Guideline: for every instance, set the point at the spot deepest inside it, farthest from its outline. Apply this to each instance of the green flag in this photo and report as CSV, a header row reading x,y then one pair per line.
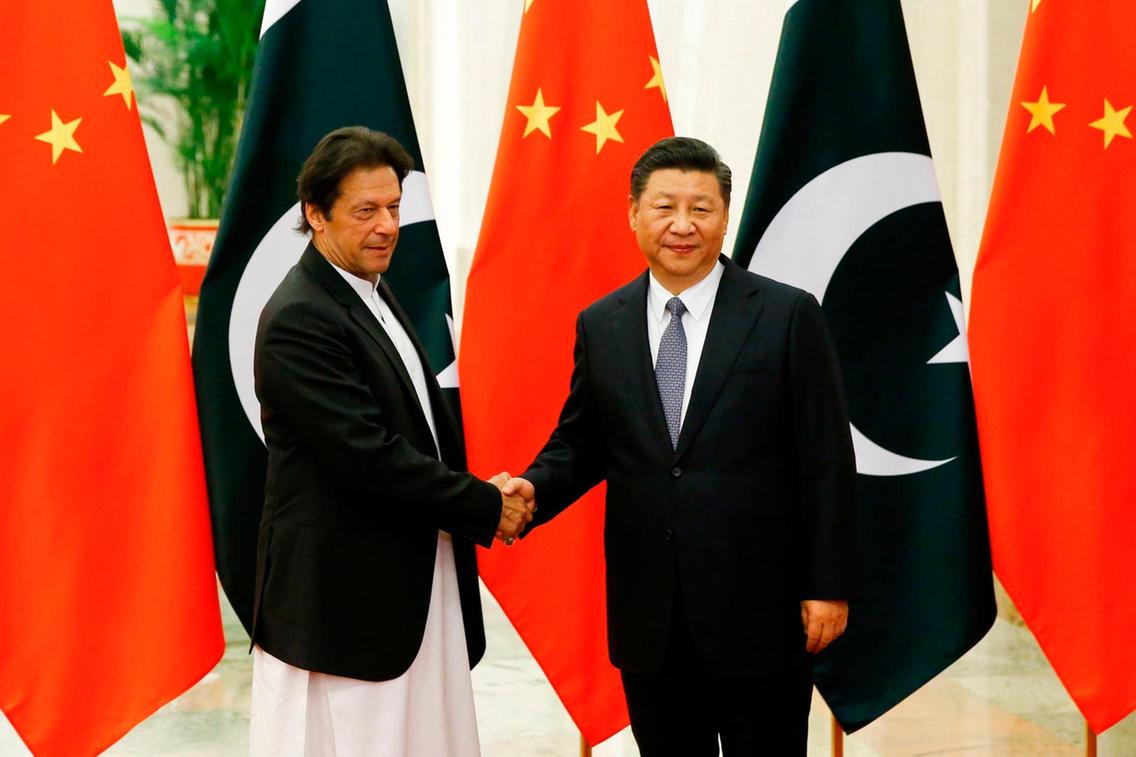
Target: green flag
x,y
844,203
320,65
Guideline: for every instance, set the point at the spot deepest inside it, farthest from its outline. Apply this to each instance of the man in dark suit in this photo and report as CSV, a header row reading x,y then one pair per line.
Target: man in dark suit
x,y
366,615
710,401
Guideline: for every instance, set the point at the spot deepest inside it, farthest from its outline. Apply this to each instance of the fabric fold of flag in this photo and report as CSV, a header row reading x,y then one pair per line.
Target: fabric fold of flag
x,y
1051,334
844,202
586,98
108,603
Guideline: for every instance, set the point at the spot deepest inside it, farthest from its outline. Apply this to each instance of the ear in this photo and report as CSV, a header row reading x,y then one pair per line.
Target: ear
x,y
632,213
315,216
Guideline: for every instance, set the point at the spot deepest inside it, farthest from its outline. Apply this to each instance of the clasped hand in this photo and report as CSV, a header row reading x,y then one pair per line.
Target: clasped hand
x,y
824,621
517,505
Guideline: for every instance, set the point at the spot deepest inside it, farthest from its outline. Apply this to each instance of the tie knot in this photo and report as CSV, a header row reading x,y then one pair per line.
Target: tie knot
x,y
674,304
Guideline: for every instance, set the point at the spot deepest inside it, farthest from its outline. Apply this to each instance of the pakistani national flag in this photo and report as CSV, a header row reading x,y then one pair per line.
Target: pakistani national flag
x,y
322,64
844,203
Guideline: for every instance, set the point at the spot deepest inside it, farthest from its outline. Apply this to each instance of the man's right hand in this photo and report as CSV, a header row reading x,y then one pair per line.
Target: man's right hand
x,y
516,510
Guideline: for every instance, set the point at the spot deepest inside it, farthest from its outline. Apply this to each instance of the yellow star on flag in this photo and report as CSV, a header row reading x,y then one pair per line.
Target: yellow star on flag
x,y
528,4
3,118
1034,4
1042,112
61,136
538,115
121,85
657,79
1112,123
604,127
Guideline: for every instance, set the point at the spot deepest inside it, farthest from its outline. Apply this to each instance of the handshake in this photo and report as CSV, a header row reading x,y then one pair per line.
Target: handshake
x,y
518,501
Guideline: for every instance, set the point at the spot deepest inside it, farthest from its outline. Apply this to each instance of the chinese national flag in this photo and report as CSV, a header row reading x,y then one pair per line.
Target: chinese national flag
x,y
586,100
1053,349
108,603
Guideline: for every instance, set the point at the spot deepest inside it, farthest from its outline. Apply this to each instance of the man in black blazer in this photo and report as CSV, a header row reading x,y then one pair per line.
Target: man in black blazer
x,y
366,544
710,401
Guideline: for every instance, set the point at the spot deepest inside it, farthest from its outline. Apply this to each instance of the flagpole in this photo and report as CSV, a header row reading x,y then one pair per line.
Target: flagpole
x,y
837,739
1090,741
586,751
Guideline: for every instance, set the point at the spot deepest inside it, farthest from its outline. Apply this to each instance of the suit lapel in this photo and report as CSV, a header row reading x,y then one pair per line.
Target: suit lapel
x,y
314,263
736,308
629,334
444,421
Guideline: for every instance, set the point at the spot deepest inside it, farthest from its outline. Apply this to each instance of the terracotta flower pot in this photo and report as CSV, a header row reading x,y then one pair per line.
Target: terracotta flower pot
x,y
192,242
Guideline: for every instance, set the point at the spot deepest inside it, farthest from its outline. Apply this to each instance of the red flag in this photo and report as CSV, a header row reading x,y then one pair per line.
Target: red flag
x,y
1052,332
586,100
108,603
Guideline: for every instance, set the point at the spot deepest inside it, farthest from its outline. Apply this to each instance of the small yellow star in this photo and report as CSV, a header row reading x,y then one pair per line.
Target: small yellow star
x,y
3,118
61,136
1112,123
604,127
1042,112
1034,5
538,115
121,85
528,4
657,79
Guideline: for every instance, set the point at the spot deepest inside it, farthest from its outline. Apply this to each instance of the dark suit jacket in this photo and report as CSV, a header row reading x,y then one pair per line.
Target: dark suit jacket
x,y
751,514
356,492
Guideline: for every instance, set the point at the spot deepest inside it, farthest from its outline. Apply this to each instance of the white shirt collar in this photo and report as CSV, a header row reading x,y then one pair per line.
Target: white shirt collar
x,y
696,298
362,287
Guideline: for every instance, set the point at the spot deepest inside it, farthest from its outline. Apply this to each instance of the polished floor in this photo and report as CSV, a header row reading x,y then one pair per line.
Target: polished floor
x,y
1000,699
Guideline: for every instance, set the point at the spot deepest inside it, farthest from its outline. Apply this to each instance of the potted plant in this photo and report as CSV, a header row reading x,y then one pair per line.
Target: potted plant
x,y
192,64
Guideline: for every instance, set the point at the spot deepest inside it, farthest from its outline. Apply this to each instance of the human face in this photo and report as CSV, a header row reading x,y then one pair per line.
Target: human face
x,y
679,222
360,232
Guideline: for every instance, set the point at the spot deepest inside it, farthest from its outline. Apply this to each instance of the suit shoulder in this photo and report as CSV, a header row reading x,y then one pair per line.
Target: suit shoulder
x,y
298,296
777,290
781,300
615,299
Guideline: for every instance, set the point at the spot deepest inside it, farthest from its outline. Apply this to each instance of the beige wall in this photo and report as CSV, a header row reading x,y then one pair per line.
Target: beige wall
x,y
965,54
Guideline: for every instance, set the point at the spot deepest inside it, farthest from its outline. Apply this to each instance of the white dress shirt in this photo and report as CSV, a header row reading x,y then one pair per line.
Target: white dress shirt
x,y
699,302
379,308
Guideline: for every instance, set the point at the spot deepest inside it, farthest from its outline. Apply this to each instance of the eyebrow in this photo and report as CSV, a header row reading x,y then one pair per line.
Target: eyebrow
x,y
668,196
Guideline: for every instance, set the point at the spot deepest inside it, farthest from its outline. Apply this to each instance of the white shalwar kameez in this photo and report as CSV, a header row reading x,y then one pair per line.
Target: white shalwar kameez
x,y
426,712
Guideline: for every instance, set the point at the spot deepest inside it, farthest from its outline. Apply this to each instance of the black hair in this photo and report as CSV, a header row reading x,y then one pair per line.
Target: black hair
x,y
337,155
685,154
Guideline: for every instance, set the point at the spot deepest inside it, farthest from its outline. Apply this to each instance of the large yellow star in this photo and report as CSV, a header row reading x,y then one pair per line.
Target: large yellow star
x,y
604,127
1042,112
1112,123
121,85
657,79
3,118
61,136
538,115
528,4
1034,5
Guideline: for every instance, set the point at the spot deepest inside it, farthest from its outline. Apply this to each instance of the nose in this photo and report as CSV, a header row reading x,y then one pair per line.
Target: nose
x,y
385,222
681,223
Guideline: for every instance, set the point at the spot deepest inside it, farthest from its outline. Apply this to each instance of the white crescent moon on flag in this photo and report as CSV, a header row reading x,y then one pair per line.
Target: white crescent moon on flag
x,y
278,251
811,233
274,10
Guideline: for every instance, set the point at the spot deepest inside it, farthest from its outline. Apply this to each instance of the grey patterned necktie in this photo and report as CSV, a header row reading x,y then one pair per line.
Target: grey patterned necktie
x,y
670,368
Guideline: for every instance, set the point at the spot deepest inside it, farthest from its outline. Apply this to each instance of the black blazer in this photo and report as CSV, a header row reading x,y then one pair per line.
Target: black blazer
x,y
356,490
751,514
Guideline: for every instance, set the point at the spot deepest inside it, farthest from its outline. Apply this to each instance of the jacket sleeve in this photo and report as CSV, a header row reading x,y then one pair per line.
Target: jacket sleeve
x,y
571,462
306,373
826,464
